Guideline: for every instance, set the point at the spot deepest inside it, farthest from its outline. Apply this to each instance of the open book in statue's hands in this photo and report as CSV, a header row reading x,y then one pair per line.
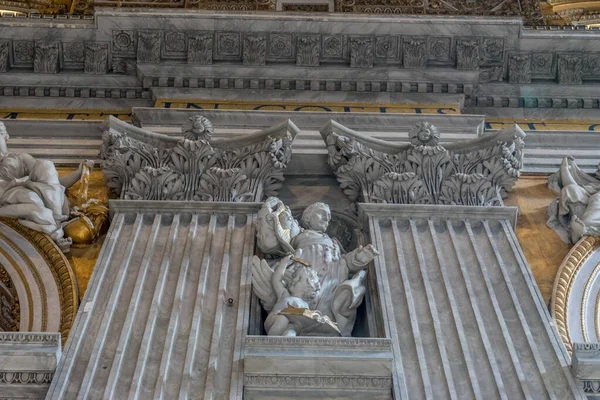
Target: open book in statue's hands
x,y
307,322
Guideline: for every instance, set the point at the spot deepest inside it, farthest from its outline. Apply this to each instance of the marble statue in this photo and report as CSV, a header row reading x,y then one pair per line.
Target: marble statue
x,y
341,276
32,192
576,212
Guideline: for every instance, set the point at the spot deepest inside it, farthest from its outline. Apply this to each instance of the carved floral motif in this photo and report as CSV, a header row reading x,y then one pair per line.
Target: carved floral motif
x,y
280,46
424,172
95,58
519,68
137,165
255,50
361,52
200,48
570,69
467,54
415,53
308,51
46,58
4,59
148,47
332,46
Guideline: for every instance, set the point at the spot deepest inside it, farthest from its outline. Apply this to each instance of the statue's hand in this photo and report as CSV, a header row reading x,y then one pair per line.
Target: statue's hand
x,y
365,255
87,163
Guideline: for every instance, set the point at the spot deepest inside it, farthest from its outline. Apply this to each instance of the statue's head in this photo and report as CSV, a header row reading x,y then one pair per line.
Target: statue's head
x,y
275,228
11,167
316,217
198,128
302,281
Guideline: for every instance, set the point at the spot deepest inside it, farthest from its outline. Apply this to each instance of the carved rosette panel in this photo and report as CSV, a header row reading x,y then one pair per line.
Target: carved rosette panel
x,y
467,54
480,172
148,47
45,60
414,52
519,68
200,48
361,52
255,50
308,51
140,165
570,69
4,59
95,58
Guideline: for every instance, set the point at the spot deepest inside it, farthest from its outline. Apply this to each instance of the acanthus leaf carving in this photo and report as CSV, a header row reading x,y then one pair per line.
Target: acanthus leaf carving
x,y
139,164
308,51
467,54
414,52
255,50
4,59
570,69
200,48
95,58
519,68
148,47
45,60
361,52
480,172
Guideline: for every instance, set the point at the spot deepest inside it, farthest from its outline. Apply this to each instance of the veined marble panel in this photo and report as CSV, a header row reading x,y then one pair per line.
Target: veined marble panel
x,y
163,315
463,312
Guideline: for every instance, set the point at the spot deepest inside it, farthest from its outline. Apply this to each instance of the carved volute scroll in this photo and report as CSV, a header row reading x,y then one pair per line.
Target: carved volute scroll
x,y
478,172
142,165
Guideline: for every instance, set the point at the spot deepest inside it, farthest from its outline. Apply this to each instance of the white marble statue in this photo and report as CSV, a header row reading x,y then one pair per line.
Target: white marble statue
x,y
32,192
576,213
341,275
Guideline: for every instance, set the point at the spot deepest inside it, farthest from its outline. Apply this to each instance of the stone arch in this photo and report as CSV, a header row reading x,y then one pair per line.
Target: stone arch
x,y
43,280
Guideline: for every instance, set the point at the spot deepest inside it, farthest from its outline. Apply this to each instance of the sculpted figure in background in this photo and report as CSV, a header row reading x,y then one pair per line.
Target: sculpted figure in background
x,y
576,213
32,192
341,276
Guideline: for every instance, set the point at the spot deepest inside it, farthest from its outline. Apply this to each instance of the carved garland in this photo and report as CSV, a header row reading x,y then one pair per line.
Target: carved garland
x,y
61,270
564,282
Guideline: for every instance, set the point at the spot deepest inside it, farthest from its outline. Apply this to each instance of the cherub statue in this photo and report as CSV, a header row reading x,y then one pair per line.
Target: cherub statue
x,y
293,284
341,275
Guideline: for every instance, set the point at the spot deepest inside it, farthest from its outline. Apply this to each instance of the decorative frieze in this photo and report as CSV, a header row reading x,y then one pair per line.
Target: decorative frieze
x,y
255,50
519,68
73,53
4,55
333,46
228,46
200,48
95,58
467,54
280,47
148,47
46,58
591,66
543,65
439,48
570,69
492,51
23,52
386,47
414,52
124,41
361,52
308,50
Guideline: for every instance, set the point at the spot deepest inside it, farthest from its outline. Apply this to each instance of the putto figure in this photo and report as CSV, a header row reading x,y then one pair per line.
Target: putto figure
x,y
340,275
576,213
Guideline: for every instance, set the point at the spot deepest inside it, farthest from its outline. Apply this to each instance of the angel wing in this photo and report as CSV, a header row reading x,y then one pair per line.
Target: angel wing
x,y
261,283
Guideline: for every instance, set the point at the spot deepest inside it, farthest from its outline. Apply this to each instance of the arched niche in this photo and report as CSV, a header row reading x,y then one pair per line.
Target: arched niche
x,y
575,302
42,278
